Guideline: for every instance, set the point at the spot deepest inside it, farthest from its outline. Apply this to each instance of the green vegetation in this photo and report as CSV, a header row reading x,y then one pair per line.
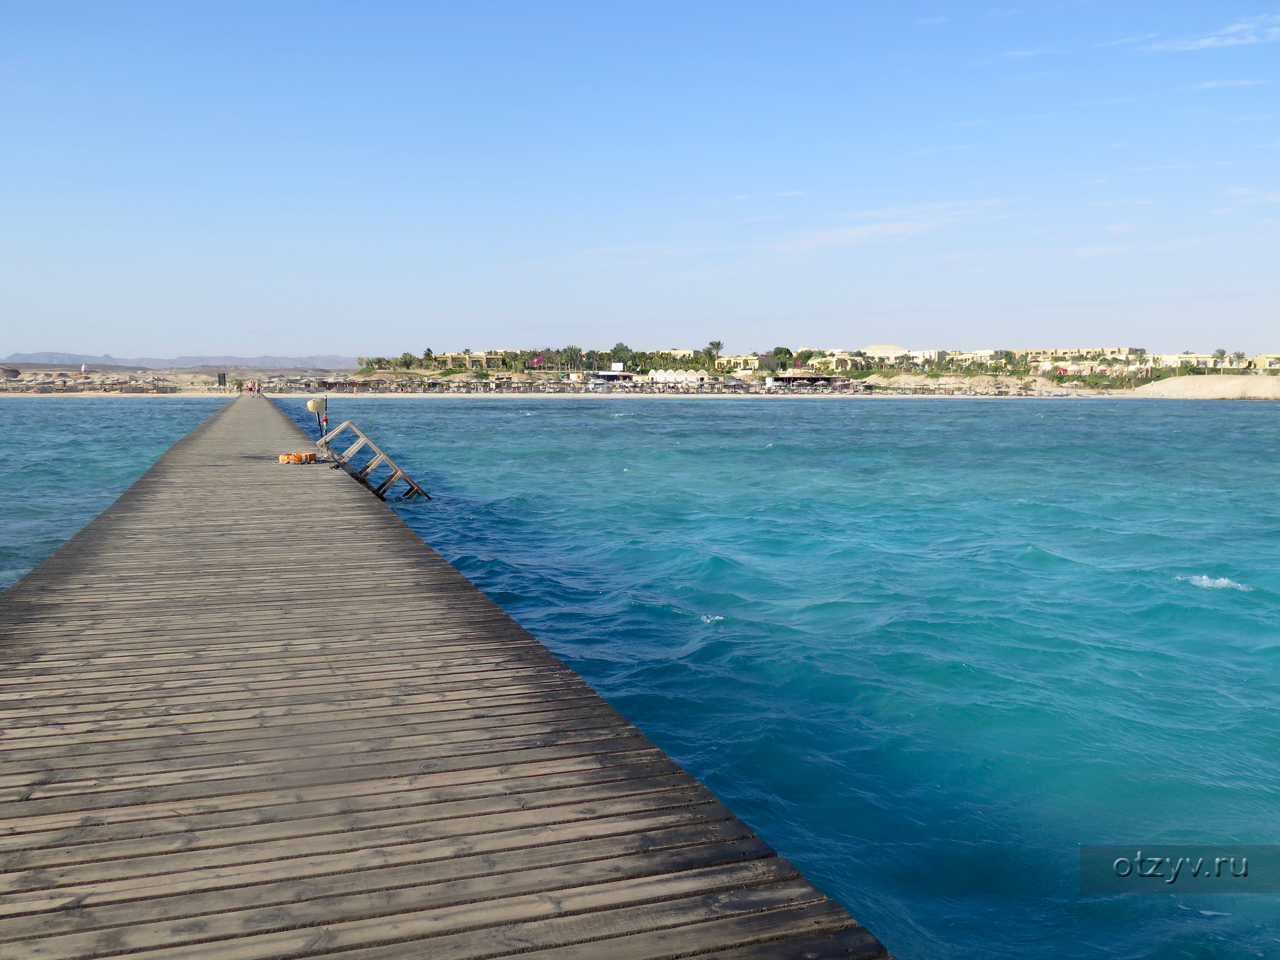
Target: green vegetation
x,y
548,359
856,365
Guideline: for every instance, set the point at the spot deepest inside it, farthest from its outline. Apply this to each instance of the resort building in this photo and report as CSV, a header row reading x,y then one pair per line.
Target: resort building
x,y
885,351
1266,361
1209,361
1084,367
748,361
964,357
837,361
680,353
485,360
1066,353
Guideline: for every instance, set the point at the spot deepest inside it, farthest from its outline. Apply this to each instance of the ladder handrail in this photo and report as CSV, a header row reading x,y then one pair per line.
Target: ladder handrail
x,y
362,474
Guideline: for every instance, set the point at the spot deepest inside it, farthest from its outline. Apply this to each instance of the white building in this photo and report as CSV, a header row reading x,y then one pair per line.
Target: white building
x,y
973,356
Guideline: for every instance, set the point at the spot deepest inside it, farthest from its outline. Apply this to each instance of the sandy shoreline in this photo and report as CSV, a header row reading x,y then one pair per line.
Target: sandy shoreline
x,y
1212,388
1176,388
554,396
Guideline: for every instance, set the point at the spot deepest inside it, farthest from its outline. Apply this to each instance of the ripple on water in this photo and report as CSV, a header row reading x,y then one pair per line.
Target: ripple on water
x,y
925,649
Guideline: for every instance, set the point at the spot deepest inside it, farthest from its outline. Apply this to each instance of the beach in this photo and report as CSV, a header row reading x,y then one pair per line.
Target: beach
x,y
876,386
1212,388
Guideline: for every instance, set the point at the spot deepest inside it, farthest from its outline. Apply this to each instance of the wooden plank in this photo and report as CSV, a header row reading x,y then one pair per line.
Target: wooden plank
x,y
356,734
722,841
73,736
441,905
480,782
235,730
26,871
177,834
304,755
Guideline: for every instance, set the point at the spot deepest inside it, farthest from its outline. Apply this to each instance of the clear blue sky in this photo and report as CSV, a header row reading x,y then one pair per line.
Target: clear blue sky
x,y
369,177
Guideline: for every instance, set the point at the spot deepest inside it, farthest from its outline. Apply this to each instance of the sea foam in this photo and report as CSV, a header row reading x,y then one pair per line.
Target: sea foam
x,y
1219,583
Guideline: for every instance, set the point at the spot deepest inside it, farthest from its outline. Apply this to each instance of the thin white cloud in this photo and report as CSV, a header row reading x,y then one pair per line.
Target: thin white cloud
x,y
1214,84
1105,103
1104,250
720,221
1019,54
1187,166
1264,29
1254,196
1116,43
893,223
850,236
1122,203
948,207
1119,249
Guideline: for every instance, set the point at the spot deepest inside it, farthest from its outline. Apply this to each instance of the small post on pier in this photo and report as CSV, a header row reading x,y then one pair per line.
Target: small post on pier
x,y
318,406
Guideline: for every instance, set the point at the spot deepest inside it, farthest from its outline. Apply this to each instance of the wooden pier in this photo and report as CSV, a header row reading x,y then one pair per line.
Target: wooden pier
x,y
248,714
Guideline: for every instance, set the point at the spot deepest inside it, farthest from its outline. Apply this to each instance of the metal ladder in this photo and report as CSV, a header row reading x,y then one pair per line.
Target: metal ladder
x,y
365,474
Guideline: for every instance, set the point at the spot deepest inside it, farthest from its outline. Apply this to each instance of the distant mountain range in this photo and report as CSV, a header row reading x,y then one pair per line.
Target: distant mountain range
x,y
327,362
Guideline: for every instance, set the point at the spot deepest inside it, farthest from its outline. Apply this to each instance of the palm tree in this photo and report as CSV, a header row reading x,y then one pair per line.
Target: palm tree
x,y
1238,357
715,346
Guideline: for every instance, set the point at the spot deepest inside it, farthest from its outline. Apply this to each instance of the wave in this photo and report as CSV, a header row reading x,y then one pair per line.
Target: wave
x,y
1220,583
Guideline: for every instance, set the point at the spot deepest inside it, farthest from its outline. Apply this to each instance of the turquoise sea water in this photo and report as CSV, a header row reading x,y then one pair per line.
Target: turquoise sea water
x,y
924,647
67,458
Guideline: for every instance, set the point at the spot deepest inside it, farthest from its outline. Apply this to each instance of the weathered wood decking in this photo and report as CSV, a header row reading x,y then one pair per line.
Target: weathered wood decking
x,y
248,713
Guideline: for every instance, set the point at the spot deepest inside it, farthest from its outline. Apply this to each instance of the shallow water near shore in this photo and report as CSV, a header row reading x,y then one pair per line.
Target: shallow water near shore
x,y
924,649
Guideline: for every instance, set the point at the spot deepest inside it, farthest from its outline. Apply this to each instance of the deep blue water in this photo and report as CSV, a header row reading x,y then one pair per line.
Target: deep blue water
x,y
924,647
